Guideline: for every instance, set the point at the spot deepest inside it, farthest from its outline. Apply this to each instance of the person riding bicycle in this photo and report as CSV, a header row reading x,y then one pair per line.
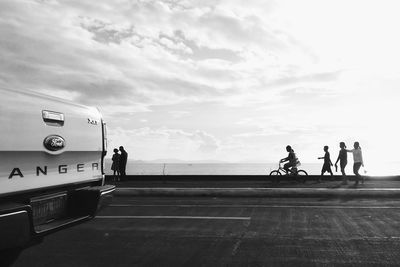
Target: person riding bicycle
x,y
291,159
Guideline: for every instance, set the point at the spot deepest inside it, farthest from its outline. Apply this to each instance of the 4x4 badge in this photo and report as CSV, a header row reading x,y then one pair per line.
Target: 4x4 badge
x,y
54,142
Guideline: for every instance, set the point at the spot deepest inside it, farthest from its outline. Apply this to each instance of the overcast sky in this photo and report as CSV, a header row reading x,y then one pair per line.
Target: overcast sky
x,y
223,80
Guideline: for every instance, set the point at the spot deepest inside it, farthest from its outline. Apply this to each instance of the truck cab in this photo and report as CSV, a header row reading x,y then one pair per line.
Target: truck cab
x,y
51,166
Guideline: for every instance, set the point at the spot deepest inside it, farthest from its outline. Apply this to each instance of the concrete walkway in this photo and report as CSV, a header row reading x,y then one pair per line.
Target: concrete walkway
x,y
262,192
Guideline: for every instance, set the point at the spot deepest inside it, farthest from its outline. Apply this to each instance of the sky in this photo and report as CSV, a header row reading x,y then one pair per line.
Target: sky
x,y
216,80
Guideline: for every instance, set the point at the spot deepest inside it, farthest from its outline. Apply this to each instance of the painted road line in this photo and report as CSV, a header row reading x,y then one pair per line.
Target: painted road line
x,y
259,188
254,206
174,217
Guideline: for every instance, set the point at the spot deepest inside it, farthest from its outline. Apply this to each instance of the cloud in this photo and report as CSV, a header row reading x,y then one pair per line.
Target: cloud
x,y
313,78
109,56
107,32
148,143
212,78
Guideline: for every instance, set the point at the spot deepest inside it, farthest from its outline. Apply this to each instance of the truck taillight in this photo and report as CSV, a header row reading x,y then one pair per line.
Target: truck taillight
x,y
104,133
104,127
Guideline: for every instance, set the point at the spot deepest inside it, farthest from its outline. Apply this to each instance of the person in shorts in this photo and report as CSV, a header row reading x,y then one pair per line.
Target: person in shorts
x,y
327,163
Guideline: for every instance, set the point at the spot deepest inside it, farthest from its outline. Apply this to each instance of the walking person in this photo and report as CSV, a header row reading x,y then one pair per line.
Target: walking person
x,y
327,163
358,162
342,157
115,165
122,162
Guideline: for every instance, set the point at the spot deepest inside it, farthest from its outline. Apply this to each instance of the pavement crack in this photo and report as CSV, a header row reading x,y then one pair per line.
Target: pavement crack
x,y
243,235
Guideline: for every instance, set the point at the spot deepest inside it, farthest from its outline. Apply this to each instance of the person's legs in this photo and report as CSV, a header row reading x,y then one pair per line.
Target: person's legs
x,y
322,173
356,168
123,172
324,169
286,167
329,170
342,170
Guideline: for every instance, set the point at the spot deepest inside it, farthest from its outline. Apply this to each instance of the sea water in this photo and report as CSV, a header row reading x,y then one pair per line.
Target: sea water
x,y
143,168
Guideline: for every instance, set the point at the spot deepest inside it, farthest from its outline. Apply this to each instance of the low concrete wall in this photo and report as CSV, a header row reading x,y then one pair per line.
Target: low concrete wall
x,y
250,186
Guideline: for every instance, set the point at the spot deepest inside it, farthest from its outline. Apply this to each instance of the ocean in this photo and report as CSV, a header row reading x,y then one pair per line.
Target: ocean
x,y
141,168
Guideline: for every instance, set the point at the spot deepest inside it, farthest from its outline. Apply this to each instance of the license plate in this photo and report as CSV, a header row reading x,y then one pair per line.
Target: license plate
x,y
49,208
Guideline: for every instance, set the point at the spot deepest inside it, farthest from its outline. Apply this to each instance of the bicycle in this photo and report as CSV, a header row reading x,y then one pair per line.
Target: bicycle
x,y
294,171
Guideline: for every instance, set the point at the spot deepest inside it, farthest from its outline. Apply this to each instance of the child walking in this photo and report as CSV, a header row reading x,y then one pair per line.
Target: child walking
x,y
327,163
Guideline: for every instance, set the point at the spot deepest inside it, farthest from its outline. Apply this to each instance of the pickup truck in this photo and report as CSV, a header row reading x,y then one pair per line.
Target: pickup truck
x,y
51,166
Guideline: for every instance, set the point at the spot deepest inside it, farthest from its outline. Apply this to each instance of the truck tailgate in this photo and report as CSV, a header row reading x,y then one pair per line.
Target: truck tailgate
x,y
47,142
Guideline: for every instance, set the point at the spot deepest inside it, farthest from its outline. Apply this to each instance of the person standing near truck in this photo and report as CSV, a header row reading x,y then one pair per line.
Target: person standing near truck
x,y
115,165
123,159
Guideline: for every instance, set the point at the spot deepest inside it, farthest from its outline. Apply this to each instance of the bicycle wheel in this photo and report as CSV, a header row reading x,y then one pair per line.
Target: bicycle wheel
x,y
301,175
275,175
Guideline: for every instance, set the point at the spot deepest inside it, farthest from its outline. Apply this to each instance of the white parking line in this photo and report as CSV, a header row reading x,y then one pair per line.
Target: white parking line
x,y
346,189
256,206
174,217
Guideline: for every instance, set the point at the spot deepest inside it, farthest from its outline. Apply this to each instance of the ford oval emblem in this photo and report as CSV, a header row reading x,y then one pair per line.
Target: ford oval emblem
x,y
54,142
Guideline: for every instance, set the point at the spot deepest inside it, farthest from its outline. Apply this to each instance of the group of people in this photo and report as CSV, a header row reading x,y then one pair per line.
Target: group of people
x,y
119,163
292,161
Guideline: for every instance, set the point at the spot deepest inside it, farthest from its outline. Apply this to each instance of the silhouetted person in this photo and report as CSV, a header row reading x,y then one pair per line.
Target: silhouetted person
x,y
342,157
358,161
116,165
327,162
122,162
291,159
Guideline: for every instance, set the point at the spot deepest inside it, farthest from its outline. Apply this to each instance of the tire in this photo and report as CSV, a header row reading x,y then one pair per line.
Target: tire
x,y
302,172
275,175
301,175
276,172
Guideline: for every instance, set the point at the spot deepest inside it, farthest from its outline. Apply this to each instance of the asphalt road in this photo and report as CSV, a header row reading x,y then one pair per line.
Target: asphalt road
x,y
169,231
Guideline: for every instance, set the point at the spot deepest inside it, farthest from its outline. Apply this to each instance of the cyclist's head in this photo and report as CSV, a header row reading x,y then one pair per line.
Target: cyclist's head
x,y
342,145
326,148
356,145
289,149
